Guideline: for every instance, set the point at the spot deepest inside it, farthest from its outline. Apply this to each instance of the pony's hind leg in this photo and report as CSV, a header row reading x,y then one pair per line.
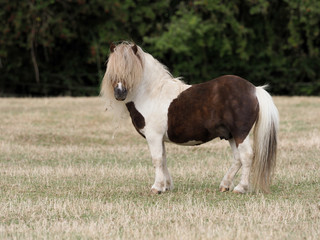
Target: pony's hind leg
x,y
163,181
236,165
246,155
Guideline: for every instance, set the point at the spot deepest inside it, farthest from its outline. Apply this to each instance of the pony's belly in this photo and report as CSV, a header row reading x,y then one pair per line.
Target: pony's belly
x,y
191,143
187,143
187,139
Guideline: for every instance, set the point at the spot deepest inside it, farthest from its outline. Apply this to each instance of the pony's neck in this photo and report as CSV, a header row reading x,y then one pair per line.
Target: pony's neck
x,y
153,69
157,80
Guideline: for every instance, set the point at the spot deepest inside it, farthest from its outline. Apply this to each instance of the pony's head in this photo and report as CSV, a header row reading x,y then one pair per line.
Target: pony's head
x,y
124,70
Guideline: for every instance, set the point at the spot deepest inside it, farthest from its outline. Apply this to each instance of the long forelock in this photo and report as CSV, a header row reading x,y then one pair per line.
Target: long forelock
x,y
125,66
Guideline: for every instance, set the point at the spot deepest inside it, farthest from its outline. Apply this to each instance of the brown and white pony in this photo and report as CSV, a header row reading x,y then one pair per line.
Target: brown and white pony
x,y
164,109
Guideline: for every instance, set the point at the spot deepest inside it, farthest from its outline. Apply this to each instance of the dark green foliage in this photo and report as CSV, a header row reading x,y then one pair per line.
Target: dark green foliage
x,y
59,47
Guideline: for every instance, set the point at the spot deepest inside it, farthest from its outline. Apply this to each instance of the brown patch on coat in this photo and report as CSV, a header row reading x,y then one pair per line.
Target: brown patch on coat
x,y
136,117
225,107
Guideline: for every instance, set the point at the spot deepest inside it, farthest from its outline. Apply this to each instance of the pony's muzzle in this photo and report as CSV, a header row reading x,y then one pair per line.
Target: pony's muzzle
x,y
120,92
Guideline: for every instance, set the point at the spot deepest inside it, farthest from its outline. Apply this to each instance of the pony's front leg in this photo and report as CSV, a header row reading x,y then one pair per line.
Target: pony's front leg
x,y
163,181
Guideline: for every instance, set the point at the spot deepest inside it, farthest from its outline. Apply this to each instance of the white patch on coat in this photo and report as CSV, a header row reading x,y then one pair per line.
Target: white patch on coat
x,y
119,85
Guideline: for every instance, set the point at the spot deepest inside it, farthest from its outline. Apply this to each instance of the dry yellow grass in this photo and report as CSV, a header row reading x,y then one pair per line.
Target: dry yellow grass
x,y
62,176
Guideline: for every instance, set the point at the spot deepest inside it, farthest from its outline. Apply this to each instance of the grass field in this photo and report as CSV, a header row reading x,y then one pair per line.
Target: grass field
x,y
63,176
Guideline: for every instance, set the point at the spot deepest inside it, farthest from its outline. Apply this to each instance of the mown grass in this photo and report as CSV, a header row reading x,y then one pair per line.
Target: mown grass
x,y
63,176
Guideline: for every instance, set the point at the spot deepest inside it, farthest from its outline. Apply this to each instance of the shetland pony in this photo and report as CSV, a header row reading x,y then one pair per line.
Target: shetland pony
x,y
164,109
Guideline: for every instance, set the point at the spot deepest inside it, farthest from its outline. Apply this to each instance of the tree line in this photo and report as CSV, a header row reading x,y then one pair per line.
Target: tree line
x,y
60,47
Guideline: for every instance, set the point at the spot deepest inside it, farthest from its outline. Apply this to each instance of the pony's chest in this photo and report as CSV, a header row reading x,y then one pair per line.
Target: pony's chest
x,y
137,118
149,116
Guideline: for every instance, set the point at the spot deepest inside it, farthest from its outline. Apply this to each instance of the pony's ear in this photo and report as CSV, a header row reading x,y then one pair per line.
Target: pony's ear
x,y
134,48
112,47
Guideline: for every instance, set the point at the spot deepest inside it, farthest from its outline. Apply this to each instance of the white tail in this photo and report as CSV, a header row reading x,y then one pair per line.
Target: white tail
x,y
265,141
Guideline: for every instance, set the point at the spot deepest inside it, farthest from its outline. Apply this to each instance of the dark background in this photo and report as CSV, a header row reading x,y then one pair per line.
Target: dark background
x,y
59,47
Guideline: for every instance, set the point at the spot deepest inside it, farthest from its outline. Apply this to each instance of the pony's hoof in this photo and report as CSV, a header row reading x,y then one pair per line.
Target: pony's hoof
x,y
237,192
240,189
223,189
155,191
